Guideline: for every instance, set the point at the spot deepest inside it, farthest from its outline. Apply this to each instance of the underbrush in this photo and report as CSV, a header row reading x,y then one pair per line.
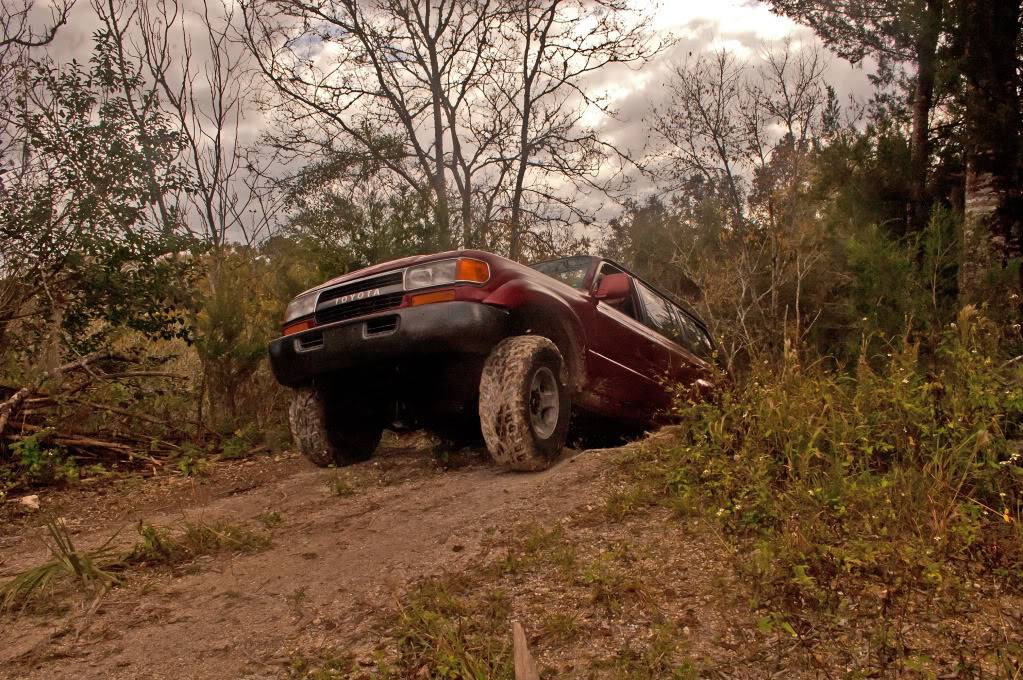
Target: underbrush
x,y
145,409
849,490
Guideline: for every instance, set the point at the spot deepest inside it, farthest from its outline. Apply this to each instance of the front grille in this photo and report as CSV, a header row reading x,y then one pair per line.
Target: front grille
x,y
350,310
366,284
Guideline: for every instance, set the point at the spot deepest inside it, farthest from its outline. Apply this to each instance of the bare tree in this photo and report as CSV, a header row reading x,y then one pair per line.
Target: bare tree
x,y
700,126
19,37
17,30
204,81
472,100
552,60
374,72
743,136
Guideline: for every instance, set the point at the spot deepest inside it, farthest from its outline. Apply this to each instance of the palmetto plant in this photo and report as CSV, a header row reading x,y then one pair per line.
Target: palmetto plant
x,y
91,571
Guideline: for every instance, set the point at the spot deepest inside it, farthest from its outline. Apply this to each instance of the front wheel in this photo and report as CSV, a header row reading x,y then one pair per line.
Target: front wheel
x,y
328,434
524,404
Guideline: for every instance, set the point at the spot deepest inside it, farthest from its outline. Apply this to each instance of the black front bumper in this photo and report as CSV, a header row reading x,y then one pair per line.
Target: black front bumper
x,y
442,328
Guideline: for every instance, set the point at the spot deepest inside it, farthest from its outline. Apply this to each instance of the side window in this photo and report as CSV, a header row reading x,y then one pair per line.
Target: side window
x,y
658,313
692,336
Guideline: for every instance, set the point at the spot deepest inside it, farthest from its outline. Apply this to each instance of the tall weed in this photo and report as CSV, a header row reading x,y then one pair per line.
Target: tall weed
x,y
906,468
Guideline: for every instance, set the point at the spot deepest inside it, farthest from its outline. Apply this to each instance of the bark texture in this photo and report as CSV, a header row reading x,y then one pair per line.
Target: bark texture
x,y
989,269
923,100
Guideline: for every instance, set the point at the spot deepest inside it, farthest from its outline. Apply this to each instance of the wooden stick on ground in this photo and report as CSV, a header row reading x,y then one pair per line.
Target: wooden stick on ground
x,y
8,407
525,667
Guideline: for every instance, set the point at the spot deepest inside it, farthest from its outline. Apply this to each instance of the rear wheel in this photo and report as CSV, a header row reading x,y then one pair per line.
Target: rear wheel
x,y
327,433
524,404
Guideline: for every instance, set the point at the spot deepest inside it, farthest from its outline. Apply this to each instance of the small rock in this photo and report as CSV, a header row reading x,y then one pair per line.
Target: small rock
x,y
30,502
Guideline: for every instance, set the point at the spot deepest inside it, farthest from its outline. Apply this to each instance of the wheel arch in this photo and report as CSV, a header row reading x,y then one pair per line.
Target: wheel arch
x,y
534,311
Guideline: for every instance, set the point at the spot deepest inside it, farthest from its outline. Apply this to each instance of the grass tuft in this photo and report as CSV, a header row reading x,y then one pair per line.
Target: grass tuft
x,y
271,519
91,571
439,633
162,546
340,485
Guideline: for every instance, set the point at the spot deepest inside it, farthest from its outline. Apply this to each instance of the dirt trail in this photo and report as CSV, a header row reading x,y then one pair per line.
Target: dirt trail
x,y
335,567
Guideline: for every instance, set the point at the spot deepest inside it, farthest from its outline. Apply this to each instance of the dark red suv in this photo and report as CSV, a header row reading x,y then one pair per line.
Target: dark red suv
x,y
466,340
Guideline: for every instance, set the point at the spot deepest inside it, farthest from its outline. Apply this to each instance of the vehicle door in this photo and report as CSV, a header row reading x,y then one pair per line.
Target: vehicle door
x,y
624,356
669,361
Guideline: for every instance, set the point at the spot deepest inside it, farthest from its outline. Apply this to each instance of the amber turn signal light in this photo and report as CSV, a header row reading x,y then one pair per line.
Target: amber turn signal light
x,y
298,327
469,269
430,298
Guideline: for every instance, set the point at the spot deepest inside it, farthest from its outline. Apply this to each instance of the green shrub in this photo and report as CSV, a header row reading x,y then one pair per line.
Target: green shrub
x,y
38,463
907,467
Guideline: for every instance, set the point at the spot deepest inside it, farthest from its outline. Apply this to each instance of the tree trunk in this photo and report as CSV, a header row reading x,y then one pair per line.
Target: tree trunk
x,y
991,229
440,189
515,238
923,98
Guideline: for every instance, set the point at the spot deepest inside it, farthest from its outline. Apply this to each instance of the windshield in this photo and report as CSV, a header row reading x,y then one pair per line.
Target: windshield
x,y
569,270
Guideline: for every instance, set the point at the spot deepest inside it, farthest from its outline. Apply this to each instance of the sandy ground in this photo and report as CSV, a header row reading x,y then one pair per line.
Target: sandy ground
x,y
338,567
335,567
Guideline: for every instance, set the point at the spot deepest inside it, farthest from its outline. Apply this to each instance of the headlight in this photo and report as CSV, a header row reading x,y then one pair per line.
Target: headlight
x,y
443,272
303,305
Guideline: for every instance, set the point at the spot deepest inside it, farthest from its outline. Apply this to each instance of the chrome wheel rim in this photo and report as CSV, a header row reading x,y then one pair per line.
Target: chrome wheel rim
x,y
544,405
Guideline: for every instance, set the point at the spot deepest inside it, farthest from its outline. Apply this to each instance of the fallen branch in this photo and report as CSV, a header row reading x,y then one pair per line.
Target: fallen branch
x,y
81,441
129,414
7,407
146,374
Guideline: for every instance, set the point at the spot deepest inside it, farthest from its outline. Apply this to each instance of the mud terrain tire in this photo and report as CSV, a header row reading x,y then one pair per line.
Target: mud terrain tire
x,y
324,436
517,436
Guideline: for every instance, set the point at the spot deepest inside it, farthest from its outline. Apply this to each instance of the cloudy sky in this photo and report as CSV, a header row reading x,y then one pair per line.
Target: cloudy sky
x,y
744,27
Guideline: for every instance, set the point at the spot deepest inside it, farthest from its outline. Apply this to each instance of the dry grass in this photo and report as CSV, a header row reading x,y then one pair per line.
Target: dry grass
x,y
92,572
89,571
172,546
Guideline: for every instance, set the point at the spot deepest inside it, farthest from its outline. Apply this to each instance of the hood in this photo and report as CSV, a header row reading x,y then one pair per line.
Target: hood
x,y
397,264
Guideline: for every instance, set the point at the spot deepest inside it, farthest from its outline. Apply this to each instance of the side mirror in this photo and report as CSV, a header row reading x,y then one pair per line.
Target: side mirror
x,y
613,288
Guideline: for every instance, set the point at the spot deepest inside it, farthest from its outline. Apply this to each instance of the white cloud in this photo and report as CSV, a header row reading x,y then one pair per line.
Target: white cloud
x,y
736,47
730,16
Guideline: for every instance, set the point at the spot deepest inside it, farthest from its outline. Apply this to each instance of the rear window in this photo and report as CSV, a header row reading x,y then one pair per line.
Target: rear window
x,y
671,321
658,314
692,337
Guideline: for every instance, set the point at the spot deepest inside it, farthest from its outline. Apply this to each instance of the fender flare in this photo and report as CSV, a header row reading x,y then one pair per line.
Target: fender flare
x,y
534,309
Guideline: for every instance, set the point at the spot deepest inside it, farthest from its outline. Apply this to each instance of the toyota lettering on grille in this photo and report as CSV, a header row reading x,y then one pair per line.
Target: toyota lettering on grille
x,y
361,295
